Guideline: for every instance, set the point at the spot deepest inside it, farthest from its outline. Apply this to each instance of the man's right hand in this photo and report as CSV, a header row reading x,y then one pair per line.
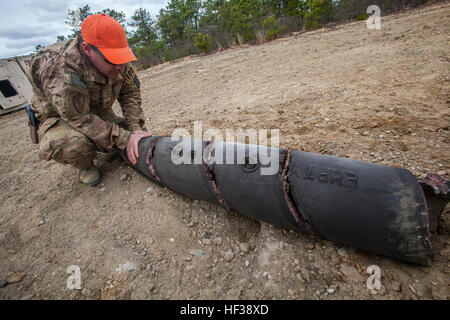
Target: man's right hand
x,y
133,143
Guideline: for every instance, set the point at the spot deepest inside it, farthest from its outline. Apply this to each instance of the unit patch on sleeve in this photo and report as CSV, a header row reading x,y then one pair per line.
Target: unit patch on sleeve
x,y
78,103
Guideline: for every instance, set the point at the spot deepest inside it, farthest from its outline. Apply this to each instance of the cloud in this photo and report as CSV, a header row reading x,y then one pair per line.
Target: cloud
x,y
9,51
28,32
50,5
43,40
50,9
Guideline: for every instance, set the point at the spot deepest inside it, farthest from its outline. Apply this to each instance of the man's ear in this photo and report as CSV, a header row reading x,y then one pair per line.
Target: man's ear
x,y
86,48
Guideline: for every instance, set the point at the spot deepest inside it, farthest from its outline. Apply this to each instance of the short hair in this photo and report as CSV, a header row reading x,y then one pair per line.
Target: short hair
x,y
80,39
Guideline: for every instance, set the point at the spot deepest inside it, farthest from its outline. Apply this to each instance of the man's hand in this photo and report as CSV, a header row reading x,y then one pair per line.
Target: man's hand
x,y
132,144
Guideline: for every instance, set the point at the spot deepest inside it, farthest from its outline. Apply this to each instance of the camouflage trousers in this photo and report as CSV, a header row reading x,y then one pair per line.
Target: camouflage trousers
x,y
62,143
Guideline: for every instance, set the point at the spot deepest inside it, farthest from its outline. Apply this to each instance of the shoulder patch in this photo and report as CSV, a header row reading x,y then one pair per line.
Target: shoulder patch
x,y
78,102
129,75
76,81
136,80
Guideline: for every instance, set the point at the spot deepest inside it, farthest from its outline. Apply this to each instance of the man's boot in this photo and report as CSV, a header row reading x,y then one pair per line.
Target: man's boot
x,y
91,176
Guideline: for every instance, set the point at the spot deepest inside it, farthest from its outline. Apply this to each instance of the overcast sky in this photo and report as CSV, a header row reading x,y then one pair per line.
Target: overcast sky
x,y
27,23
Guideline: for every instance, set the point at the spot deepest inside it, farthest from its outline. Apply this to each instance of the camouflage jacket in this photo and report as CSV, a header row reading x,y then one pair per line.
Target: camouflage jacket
x,y
67,86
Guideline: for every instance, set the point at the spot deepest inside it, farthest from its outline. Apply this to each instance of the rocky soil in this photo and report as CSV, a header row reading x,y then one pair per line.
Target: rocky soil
x,y
380,96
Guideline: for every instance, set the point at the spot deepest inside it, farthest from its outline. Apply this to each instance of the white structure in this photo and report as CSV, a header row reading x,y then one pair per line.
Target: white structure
x,y
15,88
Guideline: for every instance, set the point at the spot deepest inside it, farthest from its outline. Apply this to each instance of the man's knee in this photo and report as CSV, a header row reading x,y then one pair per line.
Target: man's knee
x,y
67,146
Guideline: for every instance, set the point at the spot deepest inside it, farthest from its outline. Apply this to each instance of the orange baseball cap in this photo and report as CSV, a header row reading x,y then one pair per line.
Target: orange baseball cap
x,y
108,36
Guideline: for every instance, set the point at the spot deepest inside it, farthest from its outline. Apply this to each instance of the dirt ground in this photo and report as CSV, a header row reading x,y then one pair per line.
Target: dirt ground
x,y
380,96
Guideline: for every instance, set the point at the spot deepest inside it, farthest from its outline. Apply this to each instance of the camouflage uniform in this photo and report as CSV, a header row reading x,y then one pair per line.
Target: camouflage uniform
x,y
73,103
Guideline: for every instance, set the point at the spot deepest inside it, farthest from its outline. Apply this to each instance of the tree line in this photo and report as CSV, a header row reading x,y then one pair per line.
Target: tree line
x,y
187,27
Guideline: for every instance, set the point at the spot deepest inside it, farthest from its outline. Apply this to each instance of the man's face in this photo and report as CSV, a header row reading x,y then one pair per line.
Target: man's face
x,y
103,66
